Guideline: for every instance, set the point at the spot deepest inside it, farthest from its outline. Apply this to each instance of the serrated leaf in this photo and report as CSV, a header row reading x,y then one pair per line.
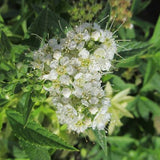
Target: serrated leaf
x,y
34,133
142,109
149,105
130,62
150,71
4,66
3,101
142,106
156,35
102,140
119,84
35,152
47,22
25,106
153,84
127,49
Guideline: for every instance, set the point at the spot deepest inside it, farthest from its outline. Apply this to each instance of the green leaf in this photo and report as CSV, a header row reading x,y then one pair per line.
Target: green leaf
x,y
106,77
126,33
5,44
156,35
144,25
153,84
25,106
3,101
34,133
156,58
150,105
122,142
47,22
130,62
132,106
35,152
142,106
101,139
127,49
17,51
119,84
139,5
150,71
2,117
4,27
4,66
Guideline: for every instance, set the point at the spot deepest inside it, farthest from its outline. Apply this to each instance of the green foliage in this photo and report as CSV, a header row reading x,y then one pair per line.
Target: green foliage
x,y
102,140
25,105
138,6
34,133
47,22
35,152
5,45
156,35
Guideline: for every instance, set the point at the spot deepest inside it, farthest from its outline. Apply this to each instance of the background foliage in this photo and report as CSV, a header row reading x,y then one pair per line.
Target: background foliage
x,y
28,124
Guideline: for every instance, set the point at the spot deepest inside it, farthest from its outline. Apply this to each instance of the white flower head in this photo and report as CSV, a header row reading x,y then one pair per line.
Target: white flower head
x,y
75,66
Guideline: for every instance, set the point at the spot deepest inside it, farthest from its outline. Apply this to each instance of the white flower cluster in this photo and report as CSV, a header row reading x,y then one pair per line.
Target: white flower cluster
x,y
75,66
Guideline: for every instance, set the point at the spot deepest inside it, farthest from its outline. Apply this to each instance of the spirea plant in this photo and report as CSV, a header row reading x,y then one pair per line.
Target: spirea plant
x,y
58,98
74,65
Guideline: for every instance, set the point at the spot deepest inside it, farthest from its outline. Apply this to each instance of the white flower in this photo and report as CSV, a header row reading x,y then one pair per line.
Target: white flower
x,y
72,45
94,100
75,62
77,76
78,92
51,76
84,53
95,35
100,53
94,67
53,43
54,64
86,35
82,27
57,55
93,110
84,102
66,92
64,61
70,70
100,120
80,45
65,79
